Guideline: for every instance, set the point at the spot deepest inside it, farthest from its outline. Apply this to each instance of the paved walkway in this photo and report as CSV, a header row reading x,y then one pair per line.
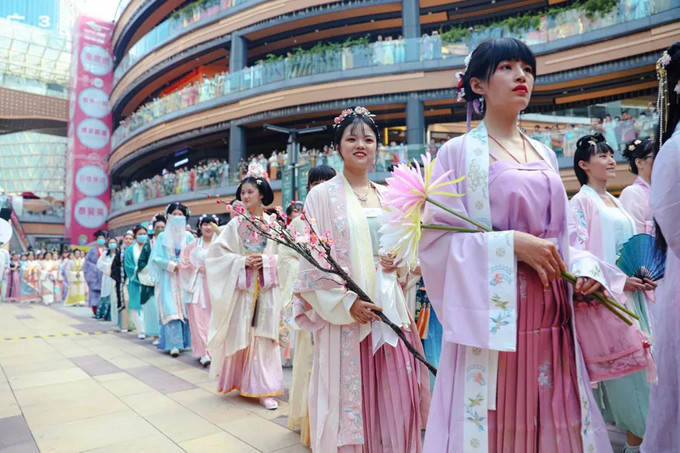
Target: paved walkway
x,y
70,384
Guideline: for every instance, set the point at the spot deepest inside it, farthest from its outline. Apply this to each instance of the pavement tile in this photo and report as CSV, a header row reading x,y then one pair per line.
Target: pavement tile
x,y
95,365
160,380
64,392
55,413
47,378
250,430
55,363
9,407
15,435
194,375
158,443
126,386
182,424
94,432
218,442
148,403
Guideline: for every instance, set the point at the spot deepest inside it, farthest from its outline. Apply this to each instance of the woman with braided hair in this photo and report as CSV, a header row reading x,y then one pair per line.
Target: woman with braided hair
x,y
194,282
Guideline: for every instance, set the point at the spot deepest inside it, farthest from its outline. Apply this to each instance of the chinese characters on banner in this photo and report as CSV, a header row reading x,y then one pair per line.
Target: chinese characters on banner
x,y
89,130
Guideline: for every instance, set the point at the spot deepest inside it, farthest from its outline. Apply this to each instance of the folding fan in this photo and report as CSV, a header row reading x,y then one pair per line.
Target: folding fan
x,y
641,257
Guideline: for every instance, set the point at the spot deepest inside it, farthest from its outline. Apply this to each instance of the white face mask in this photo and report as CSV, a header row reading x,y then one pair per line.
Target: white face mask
x,y
178,221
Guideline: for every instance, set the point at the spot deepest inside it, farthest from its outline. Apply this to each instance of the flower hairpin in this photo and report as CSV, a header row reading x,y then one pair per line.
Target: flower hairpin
x,y
633,145
665,59
358,111
461,90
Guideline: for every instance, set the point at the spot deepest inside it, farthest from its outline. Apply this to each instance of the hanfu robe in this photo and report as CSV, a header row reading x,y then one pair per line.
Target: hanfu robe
x,y
288,267
194,282
120,307
359,400
603,230
134,287
170,297
246,309
76,282
13,291
635,200
64,279
93,276
511,375
147,294
31,285
47,275
106,309
663,435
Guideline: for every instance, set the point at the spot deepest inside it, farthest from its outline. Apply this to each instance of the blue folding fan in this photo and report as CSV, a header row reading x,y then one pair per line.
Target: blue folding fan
x,y
640,257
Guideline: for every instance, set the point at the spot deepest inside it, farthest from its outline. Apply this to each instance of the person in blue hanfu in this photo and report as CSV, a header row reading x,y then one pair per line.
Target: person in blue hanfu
x,y
170,298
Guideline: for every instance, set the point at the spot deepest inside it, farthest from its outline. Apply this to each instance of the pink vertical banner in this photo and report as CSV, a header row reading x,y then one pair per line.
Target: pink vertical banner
x,y
89,131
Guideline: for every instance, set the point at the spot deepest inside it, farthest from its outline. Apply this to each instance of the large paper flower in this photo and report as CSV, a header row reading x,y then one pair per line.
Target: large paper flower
x,y
399,235
409,187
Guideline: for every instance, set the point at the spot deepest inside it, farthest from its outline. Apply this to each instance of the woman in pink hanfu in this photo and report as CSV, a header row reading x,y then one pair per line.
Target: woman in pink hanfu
x,y
635,198
603,228
511,375
193,281
246,303
359,400
663,435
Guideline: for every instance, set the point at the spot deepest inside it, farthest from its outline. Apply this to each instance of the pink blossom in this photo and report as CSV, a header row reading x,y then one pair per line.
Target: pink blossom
x,y
408,187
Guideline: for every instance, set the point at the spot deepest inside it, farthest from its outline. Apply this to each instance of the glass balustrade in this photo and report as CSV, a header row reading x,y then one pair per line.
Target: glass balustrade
x,y
191,16
388,52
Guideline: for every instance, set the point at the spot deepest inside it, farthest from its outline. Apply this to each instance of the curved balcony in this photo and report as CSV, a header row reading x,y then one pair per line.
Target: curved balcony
x,y
214,33
203,25
365,61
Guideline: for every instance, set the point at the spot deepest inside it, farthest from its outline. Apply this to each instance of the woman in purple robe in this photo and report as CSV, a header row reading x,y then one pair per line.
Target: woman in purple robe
x,y
511,375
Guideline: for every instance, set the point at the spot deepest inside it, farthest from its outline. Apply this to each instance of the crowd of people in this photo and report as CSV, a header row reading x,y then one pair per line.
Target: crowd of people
x,y
217,172
387,50
526,362
45,276
619,131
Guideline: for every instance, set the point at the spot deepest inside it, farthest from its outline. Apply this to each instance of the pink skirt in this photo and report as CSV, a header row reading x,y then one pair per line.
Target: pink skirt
x,y
199,323
395,397
538,400
255,371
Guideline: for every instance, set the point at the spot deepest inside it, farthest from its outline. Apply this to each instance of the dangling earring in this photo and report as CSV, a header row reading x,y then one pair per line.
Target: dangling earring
x,y
481,104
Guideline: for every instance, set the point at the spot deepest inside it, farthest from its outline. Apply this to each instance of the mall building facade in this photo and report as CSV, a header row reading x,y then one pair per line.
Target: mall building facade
x,y
196,81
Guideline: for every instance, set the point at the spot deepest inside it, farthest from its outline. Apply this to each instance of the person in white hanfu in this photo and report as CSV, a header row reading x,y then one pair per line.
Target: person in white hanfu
x,y
246,303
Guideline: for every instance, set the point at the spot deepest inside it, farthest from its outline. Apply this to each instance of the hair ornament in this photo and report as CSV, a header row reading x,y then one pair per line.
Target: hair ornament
x,y
634,145
662,99
255,170
356,111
